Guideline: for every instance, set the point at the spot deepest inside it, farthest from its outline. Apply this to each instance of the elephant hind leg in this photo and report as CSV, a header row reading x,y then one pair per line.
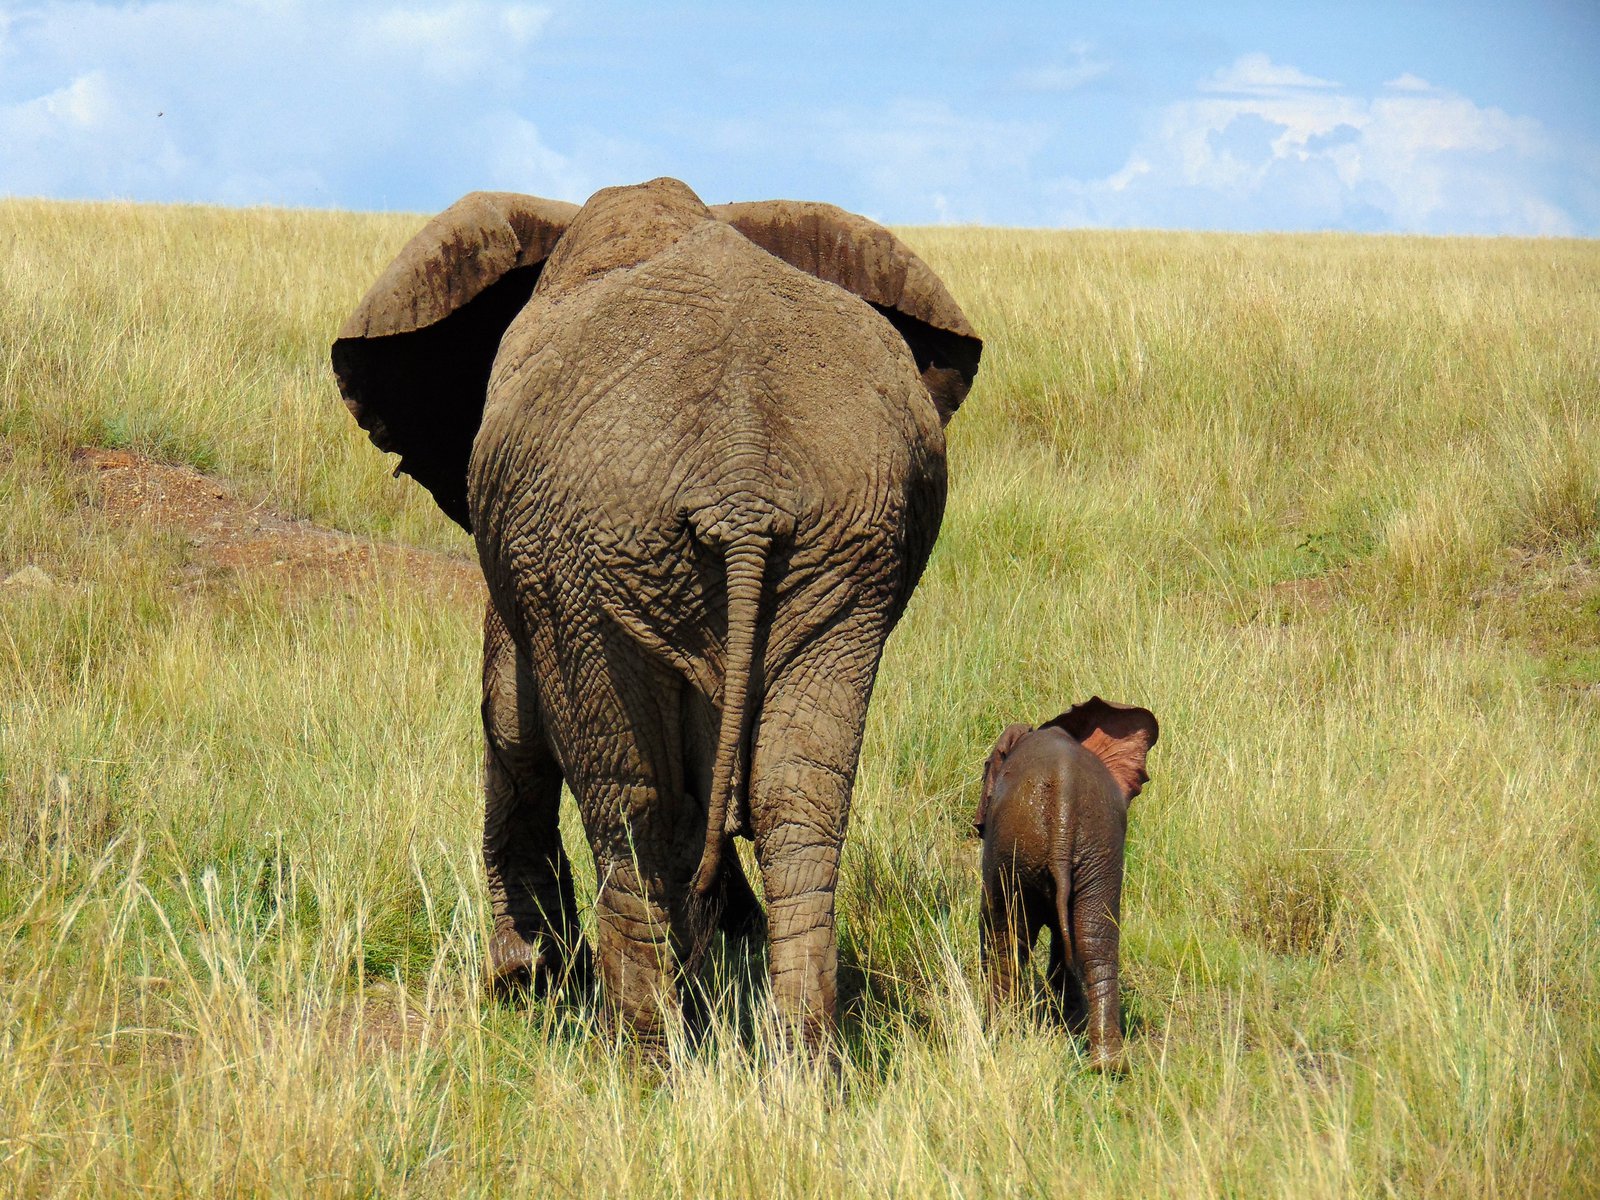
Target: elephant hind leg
x,y
1096,939
536,941
804,766
637,963
645,829
651,924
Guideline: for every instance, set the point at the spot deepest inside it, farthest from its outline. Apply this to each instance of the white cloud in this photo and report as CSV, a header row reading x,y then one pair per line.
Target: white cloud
x,y
63,132
408,103
1256,145
1265,145
1409,83
925,161
1082,68
1124,178
277,101
84,103
1258,74
455,42
516,153
912,162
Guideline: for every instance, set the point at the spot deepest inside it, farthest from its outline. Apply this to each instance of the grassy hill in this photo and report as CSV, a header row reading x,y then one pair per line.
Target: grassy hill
x,y
1330,506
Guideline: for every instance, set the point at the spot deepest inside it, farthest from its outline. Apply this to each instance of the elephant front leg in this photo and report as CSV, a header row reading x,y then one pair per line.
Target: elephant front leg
x,y
739,912
1005,938
1065,986
536,941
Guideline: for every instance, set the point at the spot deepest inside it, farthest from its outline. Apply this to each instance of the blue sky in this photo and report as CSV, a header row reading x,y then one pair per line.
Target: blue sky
x,y
1411,117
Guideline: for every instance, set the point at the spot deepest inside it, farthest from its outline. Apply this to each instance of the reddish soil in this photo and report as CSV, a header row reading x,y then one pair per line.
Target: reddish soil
x,y
1315,593
230,535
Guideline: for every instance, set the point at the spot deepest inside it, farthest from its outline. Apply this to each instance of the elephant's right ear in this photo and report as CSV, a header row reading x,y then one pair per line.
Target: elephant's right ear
x,y
413,360
1119,735
863,257
997,757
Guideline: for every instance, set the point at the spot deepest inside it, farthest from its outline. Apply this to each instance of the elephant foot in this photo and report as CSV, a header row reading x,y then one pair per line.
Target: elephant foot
x,y
518,968
1108,1058
645,1020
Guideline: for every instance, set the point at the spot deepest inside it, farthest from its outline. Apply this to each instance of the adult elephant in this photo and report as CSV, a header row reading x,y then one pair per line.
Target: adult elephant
x,y
701,452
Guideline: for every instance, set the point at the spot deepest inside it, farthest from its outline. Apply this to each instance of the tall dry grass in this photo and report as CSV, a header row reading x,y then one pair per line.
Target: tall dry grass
x,y
1329,505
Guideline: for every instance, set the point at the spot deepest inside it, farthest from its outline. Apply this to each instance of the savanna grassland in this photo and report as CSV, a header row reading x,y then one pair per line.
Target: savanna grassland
x,y
1329,505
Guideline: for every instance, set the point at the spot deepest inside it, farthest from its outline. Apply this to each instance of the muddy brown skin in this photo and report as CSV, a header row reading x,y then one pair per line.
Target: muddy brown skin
x,y
1054,817
701,452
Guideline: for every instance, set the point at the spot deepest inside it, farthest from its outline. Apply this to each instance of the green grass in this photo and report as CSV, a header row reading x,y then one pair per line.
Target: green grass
x,y
1330,506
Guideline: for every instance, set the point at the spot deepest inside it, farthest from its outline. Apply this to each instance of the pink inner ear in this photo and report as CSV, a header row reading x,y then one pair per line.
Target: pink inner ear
x,y
1123,756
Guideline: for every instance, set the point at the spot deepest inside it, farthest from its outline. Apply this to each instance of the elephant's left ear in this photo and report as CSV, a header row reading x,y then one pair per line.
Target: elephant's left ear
x,y
863,257
413,360
1119,735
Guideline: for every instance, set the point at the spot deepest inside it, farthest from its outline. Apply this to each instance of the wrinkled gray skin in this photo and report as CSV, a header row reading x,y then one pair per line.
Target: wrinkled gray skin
x,y
701,452
1054,818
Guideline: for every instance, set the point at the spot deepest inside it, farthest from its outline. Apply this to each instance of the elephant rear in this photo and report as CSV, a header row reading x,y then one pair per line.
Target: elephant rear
x,y
694,406
704,474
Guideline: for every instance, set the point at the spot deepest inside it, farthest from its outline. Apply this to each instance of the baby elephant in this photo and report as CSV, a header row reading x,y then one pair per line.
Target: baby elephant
x,y
1053,816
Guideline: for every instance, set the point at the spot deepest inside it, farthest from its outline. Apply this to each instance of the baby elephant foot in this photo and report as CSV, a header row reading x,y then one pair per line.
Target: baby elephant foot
x,y
1108,1057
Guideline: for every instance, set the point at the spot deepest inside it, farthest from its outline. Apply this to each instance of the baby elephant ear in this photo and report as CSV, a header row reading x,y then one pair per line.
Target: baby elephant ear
x,y
997,757
1119,735
863,257
413,360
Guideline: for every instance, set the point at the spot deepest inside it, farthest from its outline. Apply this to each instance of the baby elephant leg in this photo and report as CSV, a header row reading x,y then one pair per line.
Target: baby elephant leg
x,y
1095,946
1065,985
1007,929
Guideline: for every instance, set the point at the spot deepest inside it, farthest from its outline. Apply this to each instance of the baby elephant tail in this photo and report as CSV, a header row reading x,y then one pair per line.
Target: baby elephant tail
x,y
1061,869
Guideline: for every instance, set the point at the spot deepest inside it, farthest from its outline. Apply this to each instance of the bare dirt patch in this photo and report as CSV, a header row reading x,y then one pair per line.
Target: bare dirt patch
x,y
231,535
1550,603
1282,603
1315,594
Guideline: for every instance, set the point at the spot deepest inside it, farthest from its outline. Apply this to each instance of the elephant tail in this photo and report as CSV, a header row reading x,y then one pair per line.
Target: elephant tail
x,y
747,567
